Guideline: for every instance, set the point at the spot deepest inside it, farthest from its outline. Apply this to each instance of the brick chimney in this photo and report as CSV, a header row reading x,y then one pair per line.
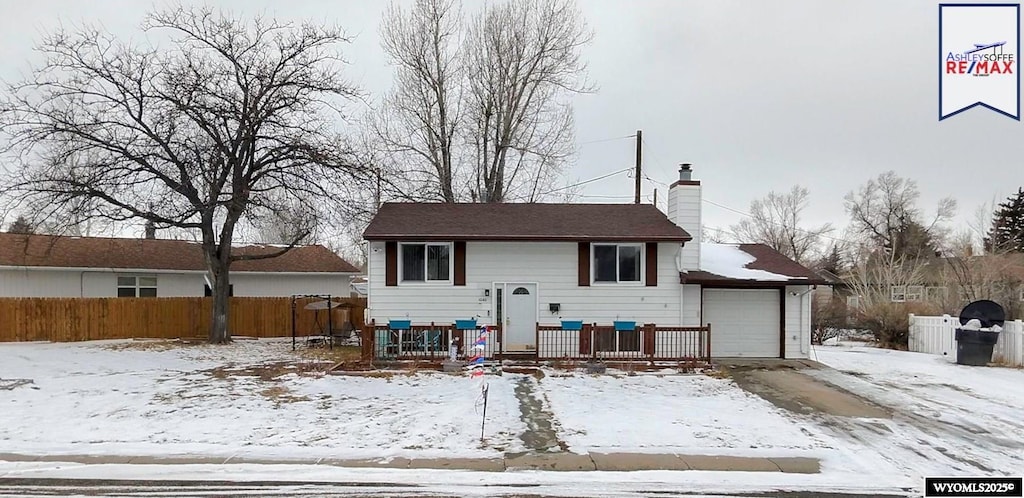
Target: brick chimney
x,y
684,209
150,230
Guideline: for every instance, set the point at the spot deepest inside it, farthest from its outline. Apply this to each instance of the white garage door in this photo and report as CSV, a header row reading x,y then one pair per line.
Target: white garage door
x,y
744,322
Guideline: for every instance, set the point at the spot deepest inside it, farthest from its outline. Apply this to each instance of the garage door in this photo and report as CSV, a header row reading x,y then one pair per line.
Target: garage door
x,y
744,322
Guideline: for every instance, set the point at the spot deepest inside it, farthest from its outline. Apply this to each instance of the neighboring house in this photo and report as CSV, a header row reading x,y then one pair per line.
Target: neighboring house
x,y
522,264
60,266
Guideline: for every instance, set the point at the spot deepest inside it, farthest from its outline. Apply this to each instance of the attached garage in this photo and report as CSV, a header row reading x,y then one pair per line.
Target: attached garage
x,y
744,322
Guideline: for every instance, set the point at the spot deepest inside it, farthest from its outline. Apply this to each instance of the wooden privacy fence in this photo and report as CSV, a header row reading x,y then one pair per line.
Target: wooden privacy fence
x,y
84,319
937,335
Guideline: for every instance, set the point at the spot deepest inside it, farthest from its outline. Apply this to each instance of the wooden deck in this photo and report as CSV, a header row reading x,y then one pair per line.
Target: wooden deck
x,y
591,342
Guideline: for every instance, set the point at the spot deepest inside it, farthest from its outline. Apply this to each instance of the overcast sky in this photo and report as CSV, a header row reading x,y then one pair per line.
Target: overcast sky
x,y
757,95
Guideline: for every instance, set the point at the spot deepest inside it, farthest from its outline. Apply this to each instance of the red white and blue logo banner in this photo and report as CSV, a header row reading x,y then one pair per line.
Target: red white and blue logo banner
x,y
979,50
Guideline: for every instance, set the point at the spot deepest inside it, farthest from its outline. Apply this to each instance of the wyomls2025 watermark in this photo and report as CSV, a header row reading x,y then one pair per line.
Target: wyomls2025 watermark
x,y
973,486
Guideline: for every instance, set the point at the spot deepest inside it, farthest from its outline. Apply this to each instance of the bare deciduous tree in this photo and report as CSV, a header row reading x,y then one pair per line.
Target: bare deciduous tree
x,y
884,211
419,120
775,222
872,281
522,59
226,120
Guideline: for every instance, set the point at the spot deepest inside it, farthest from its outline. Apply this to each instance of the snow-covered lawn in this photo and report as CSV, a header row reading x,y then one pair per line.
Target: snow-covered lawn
x,y
258,399
123,398
684,414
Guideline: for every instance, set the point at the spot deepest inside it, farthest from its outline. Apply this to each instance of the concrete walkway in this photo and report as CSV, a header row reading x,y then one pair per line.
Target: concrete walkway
x,y
530,461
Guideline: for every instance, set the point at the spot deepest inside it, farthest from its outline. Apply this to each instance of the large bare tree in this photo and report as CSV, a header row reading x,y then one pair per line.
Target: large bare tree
x,y
226,118
776,222
480,109
523,60
419,120
884,212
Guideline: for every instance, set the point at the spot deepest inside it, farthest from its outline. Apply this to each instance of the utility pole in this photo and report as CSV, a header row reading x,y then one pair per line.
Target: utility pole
x,y
639,141
376,197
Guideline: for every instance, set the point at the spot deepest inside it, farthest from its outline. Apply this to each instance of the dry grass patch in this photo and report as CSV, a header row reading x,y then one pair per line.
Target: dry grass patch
x,y
269,371
280,394
151,345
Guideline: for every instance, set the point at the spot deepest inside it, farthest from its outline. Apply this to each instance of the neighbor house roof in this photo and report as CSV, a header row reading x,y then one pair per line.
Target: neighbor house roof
x,y
501,221
155,254
748,265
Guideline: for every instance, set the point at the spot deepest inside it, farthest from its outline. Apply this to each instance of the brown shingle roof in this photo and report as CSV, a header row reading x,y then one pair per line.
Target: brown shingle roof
x,y
766,259
154,254
435,221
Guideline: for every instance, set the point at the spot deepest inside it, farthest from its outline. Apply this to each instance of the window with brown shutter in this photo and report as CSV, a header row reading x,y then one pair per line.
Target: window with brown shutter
x,y
460,263
391,264
652,264
583,263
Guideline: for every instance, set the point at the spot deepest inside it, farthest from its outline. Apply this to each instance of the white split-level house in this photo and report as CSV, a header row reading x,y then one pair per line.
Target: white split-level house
x,y
62,266
523,264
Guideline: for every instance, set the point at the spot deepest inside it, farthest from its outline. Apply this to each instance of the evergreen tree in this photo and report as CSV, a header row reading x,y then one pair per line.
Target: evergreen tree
x,y
1007,232
21,225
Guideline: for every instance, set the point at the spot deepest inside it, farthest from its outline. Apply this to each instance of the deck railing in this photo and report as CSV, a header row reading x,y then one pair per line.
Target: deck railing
x,y
648,342
422,341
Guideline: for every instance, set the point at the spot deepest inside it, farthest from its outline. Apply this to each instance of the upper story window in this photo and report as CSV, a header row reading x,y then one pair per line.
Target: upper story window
x,y
136,286
617,262
426,262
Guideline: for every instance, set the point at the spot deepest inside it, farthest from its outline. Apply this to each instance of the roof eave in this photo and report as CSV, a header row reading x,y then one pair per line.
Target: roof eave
x,y
527,238
741,282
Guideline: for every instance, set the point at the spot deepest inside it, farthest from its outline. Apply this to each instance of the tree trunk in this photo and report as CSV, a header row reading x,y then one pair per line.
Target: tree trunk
x,y
219,332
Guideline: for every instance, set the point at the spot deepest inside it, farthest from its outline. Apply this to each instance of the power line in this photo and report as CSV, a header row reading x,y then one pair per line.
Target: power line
x,y
748,215
602,177
606,140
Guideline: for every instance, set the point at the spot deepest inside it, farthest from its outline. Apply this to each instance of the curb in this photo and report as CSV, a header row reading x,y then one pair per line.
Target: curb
x,y
570,462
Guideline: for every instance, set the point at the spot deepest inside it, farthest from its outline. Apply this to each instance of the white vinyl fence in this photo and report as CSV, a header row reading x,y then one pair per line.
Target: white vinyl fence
x,y
937,335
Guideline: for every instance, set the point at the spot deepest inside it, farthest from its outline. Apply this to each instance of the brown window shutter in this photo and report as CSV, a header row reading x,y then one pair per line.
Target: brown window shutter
x,y
391,263
584,264
460,262
652,264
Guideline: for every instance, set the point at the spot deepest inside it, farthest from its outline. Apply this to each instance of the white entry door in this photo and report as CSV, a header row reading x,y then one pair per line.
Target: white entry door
x,y
520,316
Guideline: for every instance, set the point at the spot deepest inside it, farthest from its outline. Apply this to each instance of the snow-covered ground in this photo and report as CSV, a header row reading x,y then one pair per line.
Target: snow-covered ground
x,y
683,414
125,398
948,419
122,398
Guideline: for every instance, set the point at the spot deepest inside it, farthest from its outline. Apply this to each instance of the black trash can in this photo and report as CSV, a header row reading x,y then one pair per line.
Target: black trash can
x,y
974,347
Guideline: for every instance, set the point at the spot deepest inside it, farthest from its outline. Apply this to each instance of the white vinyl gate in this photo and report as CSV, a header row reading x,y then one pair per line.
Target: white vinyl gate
x,y
937,335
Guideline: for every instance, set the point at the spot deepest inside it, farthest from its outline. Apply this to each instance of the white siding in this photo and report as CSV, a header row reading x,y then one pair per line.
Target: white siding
x,y
91,283
552,265
33,283
690,306
269,285
684,209
798,321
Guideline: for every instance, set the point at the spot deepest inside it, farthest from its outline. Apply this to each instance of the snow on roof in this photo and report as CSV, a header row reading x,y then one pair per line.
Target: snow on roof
x,y
728,260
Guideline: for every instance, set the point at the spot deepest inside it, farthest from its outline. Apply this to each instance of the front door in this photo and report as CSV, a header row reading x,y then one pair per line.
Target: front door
x,y
520,324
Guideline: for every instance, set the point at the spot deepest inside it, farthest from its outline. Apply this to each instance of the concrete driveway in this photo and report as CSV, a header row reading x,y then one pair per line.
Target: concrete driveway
x,y
917,414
